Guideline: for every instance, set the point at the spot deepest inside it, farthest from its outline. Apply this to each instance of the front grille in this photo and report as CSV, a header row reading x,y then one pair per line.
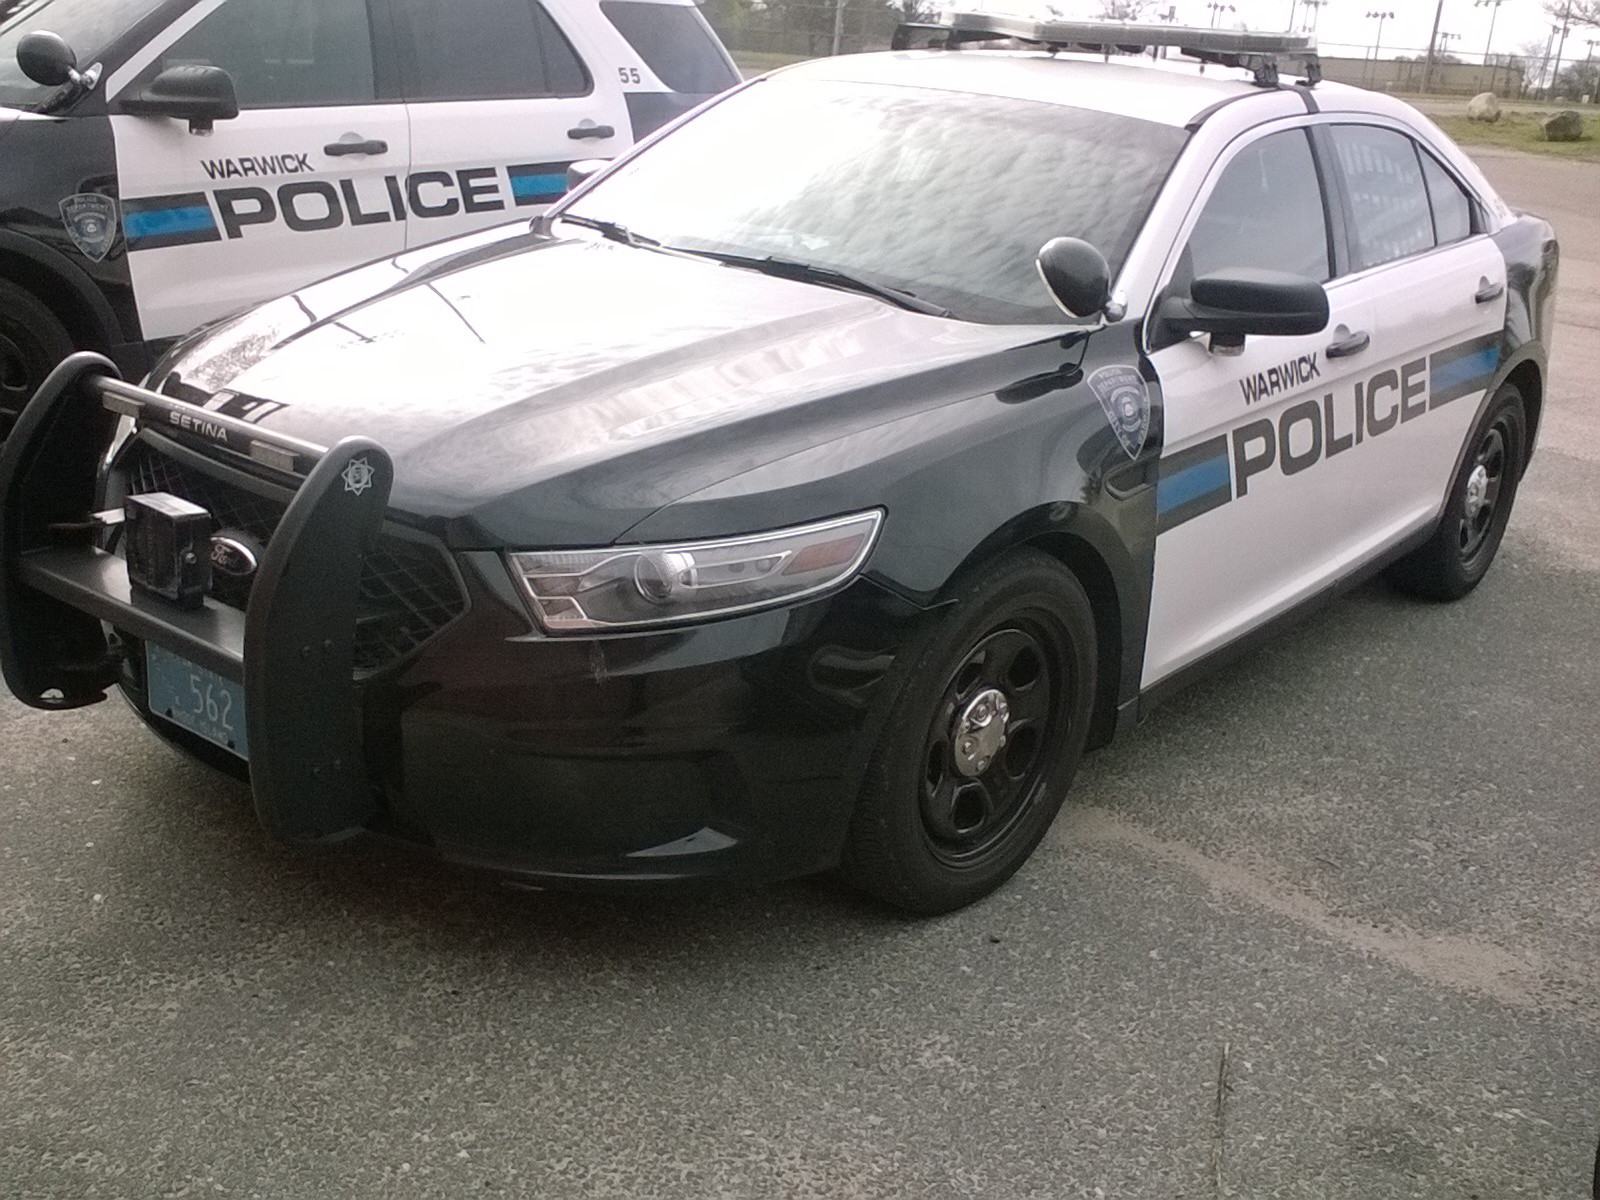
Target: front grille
x,y
409,591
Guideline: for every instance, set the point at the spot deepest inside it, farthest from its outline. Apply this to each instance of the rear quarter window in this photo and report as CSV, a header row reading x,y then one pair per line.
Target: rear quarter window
x,y
675,42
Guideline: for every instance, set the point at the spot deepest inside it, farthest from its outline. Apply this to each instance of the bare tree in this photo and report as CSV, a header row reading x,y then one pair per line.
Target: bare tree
x,y
1574,12
1132,10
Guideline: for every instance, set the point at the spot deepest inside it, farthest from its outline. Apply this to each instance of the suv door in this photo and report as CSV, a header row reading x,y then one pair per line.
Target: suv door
x,y
1259,498
501,103
305,182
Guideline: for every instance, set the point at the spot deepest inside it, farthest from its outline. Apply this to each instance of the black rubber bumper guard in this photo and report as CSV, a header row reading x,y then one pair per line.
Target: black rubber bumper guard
x,y
293,649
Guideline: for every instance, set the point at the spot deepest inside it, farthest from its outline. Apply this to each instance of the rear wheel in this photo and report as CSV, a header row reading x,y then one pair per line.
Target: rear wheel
x,y
984,739
1453,562
32,342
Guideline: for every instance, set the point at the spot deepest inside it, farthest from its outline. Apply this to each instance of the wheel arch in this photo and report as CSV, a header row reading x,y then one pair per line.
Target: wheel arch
x,y
1528,376
52,279
1091,548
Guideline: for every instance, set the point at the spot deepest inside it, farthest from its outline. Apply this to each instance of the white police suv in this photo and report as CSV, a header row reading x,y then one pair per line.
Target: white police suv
x,y
808,507
166,162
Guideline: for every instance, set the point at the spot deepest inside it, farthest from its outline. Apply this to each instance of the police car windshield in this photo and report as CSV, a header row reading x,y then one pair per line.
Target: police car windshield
x,y
89,27
947,195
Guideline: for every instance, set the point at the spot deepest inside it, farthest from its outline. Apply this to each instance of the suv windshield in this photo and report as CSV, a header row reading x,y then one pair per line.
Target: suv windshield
x,y
943,194
89,27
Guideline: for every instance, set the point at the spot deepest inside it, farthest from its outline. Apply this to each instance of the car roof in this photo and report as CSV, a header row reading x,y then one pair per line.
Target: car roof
x,y
1167,91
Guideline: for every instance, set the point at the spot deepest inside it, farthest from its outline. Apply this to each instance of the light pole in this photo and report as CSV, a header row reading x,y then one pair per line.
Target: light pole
x,y
1494,11
1314,11
1377,42
1427,67
1290,26
1217,9
1566,25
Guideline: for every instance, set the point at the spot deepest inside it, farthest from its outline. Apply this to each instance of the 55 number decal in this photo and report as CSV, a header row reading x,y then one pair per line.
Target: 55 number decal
x,y
629,75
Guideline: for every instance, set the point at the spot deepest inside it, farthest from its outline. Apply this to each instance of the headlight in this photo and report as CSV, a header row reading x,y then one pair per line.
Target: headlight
x,y
581,591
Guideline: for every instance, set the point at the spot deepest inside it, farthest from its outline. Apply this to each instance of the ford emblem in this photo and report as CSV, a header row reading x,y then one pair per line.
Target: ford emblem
x,y
233,557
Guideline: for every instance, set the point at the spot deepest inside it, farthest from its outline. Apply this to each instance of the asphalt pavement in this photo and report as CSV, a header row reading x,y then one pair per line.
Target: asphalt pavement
x,y
1328,925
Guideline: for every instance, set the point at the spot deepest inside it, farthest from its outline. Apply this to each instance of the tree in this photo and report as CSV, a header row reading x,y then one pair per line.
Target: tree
x,y
1574,12
1132,10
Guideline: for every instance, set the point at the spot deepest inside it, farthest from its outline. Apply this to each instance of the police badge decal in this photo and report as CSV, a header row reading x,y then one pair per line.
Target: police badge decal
x,y
1126,400
91,221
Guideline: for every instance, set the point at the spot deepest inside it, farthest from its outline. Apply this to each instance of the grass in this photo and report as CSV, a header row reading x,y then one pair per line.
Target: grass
x,y
756,62
1519,130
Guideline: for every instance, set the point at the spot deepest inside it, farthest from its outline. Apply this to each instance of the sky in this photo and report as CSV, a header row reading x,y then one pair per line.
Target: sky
x,y
1342,26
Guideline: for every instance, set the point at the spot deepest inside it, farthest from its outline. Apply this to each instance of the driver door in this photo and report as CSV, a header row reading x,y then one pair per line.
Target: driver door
x,y
305,182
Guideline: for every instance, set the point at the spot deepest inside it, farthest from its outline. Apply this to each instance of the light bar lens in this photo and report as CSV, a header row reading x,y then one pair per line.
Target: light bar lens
x,y
623,587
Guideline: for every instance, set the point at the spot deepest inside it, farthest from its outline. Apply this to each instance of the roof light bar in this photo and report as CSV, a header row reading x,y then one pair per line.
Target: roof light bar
x,y
1259,53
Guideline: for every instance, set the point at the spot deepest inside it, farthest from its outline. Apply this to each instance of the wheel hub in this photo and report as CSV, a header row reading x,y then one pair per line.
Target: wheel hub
x,y
1477,491
979,732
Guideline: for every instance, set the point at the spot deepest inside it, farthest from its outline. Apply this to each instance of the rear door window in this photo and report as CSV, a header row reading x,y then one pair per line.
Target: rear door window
x,y
675,42
1390,214
488,50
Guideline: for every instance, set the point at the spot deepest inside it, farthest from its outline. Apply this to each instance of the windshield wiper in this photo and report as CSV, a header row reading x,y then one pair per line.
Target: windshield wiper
x,y
804,272
610,229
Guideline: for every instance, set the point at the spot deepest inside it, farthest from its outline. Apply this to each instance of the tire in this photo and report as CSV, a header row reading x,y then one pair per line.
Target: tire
x,y
939,825
1457,557
32,342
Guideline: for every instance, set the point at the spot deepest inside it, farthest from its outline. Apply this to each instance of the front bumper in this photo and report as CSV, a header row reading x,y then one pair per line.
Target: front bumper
x,y
733,748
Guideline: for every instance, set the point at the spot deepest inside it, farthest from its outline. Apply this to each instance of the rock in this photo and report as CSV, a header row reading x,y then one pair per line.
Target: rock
x,y
1564,126
1485,107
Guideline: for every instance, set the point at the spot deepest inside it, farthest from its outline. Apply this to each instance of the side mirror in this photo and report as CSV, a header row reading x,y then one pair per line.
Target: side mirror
x,y
583,170
1076,274
1231,305
199,95
46,58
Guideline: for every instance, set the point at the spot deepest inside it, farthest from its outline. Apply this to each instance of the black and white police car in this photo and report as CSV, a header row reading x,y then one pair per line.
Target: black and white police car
x,y
164,163
815,484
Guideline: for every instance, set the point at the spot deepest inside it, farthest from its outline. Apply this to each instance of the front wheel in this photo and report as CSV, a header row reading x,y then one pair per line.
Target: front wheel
x,y
984,739
1457,557
32,342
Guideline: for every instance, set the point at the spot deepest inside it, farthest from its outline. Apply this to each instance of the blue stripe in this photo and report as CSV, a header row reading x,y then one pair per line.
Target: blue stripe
x,y
523,186
1465,370
1191,483
163,222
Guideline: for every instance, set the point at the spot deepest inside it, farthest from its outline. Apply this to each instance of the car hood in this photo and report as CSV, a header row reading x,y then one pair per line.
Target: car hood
x,y
558,392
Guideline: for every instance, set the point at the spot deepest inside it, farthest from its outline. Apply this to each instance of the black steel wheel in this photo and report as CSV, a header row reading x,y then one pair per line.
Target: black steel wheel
x,y
32,342
983,740
1458,556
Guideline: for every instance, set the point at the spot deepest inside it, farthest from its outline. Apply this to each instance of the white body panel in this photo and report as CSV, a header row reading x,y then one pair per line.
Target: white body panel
x,y
1373,468
341,213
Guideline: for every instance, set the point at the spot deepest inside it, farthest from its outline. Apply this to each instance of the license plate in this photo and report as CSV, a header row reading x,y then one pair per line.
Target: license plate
x,y
196,699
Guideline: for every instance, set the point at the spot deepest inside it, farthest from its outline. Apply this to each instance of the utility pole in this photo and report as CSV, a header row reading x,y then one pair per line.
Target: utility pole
x,y
838,25
1427,67
1292,5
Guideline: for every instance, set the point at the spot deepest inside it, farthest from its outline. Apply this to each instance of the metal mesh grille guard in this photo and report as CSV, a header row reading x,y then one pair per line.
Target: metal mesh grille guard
x,y
1259,53
295,646
409,591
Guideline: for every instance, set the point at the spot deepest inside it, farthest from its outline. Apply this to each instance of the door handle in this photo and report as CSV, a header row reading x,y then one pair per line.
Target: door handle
x,y
591,131
339,149
1489,291
1354,344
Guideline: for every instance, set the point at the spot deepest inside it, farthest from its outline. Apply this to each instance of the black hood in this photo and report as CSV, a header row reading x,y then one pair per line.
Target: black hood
x,y
537,391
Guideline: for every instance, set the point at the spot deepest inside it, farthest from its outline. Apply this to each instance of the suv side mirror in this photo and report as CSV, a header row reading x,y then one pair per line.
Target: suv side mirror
x,y
46,58
1077,275
197,94
1231,305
